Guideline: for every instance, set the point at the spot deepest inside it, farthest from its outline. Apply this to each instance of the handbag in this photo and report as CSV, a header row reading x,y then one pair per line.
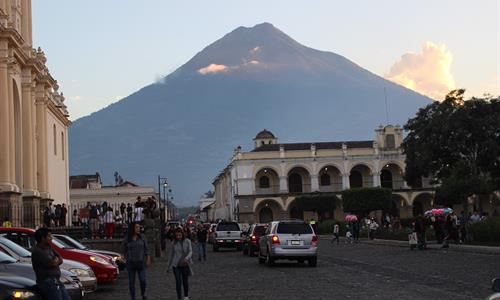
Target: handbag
x,y
183,262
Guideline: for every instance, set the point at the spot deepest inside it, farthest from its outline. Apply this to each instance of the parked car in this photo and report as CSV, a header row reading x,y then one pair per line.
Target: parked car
x,y
251,238
11,267
16,287
291,240
103,267
227,235
495,286
84,272
117,258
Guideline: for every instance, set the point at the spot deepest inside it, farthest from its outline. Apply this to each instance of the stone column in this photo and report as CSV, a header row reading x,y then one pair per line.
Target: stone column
x,y
345,181
28,136
41,133
5,178
376,179
283,184
314,183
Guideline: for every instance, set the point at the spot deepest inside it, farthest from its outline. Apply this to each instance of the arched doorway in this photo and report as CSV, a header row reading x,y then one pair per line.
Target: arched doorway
x,y
295,213
298,180
422,203
266,181
386,179
265,215
360,177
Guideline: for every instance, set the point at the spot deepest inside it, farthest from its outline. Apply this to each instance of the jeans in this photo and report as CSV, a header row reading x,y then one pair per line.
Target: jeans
x,y
202,250
335,237
141,272
53,289
181,278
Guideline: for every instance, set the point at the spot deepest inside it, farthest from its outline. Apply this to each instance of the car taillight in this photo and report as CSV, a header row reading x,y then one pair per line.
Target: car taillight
x,y
254,238
314,241
275,239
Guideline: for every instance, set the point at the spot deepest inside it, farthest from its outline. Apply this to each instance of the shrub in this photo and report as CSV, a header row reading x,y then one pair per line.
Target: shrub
x,y
486,231
364,200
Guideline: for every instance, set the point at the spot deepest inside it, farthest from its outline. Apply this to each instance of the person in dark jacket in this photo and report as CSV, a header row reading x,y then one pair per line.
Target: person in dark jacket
x,y
448,230
136,252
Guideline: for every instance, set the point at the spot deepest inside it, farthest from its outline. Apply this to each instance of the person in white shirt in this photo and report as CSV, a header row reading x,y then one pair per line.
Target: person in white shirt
x,y
336,230
138,214
373,228
109,223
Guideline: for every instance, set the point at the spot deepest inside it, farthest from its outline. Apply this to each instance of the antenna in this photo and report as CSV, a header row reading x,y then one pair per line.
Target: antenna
x,y
386,108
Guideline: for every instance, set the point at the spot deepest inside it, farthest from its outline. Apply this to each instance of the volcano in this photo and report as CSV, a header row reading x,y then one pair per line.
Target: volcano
x,y
186,126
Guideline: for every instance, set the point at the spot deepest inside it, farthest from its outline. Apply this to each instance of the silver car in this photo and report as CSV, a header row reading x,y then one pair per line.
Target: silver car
x,y
83,272
291,240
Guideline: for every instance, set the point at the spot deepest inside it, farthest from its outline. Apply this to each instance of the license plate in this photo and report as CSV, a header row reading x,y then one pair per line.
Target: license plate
x,y
295,243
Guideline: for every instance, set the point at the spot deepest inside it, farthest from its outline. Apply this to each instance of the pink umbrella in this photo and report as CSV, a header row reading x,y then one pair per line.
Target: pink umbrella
x,y
351,218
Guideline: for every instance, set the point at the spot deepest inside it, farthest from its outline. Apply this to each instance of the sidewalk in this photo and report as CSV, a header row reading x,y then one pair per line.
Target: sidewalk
x,y
432,245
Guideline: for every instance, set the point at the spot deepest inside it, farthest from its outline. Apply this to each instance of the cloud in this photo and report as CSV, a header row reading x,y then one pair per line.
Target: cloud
x,y
212,69
75,98
427,72
255,50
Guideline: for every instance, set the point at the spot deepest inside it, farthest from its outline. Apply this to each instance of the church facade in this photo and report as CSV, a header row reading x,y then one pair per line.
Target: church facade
x,y
262,184
33,122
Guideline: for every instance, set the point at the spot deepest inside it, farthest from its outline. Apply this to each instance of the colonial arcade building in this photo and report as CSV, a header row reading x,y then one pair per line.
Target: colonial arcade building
x,y
33,122
262,185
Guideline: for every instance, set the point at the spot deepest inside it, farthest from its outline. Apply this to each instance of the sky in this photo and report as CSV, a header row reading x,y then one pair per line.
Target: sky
x,y
101,51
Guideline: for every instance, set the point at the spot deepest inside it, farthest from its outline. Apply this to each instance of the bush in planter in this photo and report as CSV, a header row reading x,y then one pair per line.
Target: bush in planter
x,y
487,230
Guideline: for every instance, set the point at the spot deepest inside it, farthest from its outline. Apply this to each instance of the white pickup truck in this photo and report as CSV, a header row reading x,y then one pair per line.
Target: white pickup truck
x,y
227,235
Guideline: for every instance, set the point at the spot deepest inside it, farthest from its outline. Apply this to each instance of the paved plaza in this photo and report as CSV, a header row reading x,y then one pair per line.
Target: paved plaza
x,y
359,271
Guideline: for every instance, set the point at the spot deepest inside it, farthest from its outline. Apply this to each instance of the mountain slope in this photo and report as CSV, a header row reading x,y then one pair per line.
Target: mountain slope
x,y
253,78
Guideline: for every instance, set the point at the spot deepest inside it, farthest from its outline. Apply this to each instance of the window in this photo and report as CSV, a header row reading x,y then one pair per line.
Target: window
x,y
389,141
55,138
228,227
295,183
325,179
294,228
264,182
62,145
262,143
355,179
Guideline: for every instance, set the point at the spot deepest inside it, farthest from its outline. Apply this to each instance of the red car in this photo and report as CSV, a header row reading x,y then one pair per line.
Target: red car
x,y
104,269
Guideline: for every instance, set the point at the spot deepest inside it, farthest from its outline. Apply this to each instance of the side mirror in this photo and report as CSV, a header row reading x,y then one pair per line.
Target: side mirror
x,y
495,285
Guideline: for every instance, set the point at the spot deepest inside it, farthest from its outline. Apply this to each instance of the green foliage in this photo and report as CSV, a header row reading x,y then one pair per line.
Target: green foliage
x,y
326,227
456,142
364,200
486,231
318,202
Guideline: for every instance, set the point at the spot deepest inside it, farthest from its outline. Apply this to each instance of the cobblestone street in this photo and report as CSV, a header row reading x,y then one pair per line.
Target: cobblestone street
x,y
360,271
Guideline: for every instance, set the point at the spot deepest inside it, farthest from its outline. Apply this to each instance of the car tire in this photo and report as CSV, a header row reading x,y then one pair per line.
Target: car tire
x,y
239,248
245,251
262,260
216,248
313,261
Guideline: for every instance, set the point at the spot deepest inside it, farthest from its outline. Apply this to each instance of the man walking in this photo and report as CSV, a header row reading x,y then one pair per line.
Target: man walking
x,y
202,236
46,264
336,229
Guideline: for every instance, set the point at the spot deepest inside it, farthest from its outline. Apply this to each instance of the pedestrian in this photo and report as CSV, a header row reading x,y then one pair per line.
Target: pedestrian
x,y
75,218
138,212
46,262
355,231
129,213
348,237
336,229
136,252
94,221
64,213
202,237
448,229
373,228
109,224
180,260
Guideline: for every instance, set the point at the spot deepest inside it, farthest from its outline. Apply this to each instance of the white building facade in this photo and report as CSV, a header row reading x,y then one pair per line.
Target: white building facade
x,y
262,184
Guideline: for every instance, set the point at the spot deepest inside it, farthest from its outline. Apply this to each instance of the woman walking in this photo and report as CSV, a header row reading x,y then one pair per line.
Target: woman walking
x,y
180,260
136,252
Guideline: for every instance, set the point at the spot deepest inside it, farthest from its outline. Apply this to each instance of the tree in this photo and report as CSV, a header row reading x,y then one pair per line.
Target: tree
x,y
457,144
365,200
317,202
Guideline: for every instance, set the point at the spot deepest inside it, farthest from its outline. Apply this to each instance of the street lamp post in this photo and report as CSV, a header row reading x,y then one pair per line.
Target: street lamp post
x,y
163,181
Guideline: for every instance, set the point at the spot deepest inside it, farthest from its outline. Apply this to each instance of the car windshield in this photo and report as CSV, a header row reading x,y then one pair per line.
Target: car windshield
x,y
71,242
259,230
294,228
5,259
228,227
15,247
60,244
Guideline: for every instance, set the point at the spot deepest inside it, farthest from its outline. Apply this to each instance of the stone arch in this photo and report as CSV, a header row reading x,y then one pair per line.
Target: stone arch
x,y
303,166
260,201
257,169
270,176
299,180
391,176
400,206
339,167
361,175
422,202
268,210
334,176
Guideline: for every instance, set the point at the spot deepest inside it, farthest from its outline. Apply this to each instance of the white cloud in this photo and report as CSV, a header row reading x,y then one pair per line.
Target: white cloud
x,y
255,50
212,69
427,72
75,98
